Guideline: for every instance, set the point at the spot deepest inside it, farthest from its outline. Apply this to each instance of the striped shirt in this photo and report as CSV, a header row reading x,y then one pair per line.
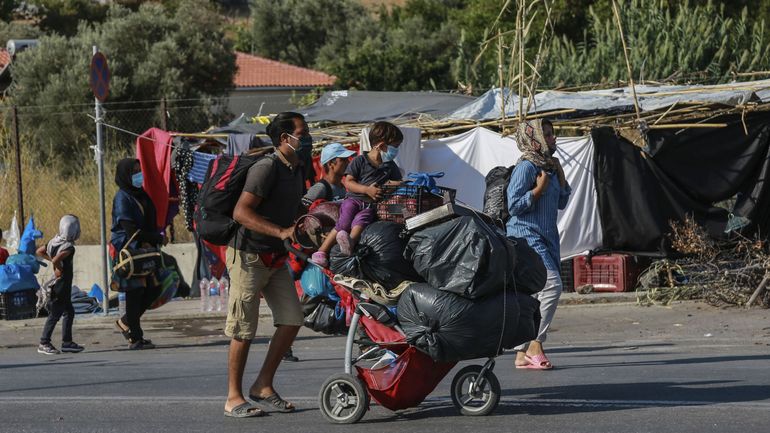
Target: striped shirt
x,y
535,219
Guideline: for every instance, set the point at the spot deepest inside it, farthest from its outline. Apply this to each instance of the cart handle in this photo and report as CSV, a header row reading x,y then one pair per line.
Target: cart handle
x,y
290,247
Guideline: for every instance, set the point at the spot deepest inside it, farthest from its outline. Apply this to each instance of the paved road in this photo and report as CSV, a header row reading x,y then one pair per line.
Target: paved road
x,y
690,368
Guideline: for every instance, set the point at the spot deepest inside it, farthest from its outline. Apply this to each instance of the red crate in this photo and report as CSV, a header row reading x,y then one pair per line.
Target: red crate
x,y
610,273
400,203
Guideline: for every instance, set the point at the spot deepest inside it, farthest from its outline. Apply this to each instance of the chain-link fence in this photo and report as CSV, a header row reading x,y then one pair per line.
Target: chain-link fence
x,y
58,168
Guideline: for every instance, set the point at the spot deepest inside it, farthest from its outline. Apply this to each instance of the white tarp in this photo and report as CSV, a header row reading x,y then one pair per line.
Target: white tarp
x,y
467,158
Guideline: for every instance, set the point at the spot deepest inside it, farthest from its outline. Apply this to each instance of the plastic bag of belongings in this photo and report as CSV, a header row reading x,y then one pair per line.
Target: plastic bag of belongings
x,y
470,306
378,257
450,328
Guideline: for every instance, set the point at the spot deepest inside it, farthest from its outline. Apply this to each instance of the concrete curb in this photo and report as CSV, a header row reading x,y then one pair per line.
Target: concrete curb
x,y
189,309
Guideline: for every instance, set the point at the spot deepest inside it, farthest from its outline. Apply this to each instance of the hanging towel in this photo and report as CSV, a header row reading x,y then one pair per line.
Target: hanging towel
x,y
200,166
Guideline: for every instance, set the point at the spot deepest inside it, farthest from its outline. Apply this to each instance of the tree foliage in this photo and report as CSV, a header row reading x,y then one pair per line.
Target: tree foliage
x,y
663,42
17,30
406,49
294,31
152,54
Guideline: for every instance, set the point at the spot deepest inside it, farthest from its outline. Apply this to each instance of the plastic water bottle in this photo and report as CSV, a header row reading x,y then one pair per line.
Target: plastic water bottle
x,y
122,303
224,294
204,286
213,295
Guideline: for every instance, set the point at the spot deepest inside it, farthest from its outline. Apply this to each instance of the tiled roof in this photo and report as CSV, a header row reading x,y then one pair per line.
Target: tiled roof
x,y
255,71
5,58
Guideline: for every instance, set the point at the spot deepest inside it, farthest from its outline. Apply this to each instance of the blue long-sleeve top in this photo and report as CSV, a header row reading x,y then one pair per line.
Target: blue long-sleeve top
x,y
535,219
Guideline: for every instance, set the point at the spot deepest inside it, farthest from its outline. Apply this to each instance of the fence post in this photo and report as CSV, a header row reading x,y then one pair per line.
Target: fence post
x,y
17,144
163,115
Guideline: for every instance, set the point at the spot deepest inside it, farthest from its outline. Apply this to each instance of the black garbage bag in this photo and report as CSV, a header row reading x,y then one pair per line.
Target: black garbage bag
x,y
529,320
323,315
529,271
466,256
378,257
450,328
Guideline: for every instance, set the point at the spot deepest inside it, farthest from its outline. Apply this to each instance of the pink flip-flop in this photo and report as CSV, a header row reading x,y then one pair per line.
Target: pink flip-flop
x,y
538,362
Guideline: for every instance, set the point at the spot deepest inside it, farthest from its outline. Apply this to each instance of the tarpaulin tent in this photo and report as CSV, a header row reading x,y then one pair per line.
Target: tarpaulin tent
x,y
358,106
618,100
684,173
468,157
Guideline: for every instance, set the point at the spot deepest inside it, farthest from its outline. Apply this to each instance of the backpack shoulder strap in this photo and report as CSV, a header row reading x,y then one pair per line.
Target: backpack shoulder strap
x,y
273,167
329,190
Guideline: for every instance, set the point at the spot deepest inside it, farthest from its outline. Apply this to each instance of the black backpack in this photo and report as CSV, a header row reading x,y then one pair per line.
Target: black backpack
x,y
218,195
496,193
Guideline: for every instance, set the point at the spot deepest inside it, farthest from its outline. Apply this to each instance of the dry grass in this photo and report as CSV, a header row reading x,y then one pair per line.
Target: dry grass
x,y
48,195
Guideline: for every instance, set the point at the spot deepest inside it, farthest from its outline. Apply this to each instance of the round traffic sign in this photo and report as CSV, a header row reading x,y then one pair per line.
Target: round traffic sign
x,y
99,78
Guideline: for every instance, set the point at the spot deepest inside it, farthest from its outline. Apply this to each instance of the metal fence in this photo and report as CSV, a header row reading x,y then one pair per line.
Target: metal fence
x,y
56,159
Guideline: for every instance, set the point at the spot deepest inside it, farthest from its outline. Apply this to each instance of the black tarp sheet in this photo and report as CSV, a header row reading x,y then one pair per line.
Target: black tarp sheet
x,y
685,172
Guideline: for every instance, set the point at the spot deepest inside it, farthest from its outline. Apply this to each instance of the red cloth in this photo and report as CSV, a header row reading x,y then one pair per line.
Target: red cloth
x,y
3,256
220,251
273,260
153,149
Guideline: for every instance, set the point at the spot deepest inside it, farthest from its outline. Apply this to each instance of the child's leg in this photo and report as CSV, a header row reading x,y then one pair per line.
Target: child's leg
x,y
348,211
329,242
66,326
360,222
55,311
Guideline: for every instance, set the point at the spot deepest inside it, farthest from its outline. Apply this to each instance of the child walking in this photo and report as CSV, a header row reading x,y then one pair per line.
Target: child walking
x,y
60,251
365,176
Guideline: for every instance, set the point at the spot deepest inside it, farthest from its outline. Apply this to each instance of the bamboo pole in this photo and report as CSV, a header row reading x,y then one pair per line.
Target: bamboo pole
x,y
500,76
539,57
688,125
628,62
521,75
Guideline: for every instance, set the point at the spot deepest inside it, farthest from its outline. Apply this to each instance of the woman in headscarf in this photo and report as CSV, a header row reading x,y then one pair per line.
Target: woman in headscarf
x,y
133,213
536,193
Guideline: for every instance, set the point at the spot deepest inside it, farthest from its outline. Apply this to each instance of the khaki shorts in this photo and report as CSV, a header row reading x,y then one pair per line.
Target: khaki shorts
x,y
249,278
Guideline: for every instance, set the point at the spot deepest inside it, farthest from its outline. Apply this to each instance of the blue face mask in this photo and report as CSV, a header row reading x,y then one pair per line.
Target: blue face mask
x,y
390,155
137,180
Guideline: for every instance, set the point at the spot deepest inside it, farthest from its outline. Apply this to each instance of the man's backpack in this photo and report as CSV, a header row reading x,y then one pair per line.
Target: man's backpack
x,y
496,193
219,194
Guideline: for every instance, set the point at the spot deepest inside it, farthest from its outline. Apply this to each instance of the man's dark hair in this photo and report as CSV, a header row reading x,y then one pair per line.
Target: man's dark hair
x,y
385,132
281,124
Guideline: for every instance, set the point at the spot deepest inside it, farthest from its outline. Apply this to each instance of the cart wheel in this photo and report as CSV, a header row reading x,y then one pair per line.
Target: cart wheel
x,y
479,401
343,399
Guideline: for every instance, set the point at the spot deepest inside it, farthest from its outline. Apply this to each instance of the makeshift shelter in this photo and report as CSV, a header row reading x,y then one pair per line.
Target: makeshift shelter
x,y
690,148
468,157
613,101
